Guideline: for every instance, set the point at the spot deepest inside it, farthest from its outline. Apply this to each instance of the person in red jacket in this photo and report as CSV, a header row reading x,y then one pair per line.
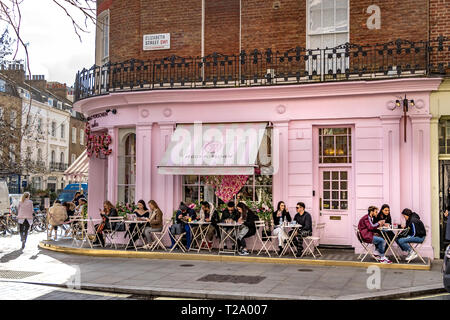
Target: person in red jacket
x,y
367,229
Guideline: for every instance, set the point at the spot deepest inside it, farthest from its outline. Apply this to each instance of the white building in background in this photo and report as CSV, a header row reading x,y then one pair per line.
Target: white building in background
x,y
46,143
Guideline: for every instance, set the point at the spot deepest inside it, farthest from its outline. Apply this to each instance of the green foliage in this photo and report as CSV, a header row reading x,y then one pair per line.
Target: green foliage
x,y
125,208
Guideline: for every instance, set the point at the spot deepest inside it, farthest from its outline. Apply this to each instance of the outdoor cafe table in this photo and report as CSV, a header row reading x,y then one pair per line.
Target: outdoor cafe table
x,y
290,240
137,230
384,233
199,234
228,230
81,225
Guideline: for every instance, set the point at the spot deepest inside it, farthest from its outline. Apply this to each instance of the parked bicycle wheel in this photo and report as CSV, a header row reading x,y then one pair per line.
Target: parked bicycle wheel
x,y
12,225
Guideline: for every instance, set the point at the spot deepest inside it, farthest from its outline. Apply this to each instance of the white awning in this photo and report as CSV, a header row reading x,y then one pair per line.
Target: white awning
x,y
79,169
213,149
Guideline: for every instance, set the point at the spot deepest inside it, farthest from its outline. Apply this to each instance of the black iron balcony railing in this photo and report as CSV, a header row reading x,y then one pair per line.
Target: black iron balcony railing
x,y
58,166
399,58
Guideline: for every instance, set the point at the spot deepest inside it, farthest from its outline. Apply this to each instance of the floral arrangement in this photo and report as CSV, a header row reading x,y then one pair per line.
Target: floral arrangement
x,y
125,208
84,211
226,187
97,144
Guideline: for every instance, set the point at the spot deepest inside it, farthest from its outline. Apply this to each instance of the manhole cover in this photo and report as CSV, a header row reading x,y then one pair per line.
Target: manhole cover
x,y
305,270
232,279
13,274
186,265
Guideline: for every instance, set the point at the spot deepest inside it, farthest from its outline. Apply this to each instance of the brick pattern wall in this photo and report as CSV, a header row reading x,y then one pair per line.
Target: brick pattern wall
x,y
406,19
222,26
263,26
440,26
279,29
76,148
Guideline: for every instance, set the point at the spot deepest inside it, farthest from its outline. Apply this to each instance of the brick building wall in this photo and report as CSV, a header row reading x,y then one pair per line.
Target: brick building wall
x,y
263,25
76,148
440,26
8,135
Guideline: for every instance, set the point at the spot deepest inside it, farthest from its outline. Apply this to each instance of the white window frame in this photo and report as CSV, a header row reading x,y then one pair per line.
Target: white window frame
x,y
309,33
74,157
60,105
13,119
74,135
50,100
104,28
81,137
63,129
53,129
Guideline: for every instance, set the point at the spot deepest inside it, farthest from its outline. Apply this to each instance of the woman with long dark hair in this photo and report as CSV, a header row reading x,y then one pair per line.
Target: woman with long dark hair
x,y
141,213
248,228
385,214
280,215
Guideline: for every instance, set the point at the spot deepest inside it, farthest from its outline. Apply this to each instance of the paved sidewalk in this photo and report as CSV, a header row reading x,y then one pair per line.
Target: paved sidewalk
x,y
205,279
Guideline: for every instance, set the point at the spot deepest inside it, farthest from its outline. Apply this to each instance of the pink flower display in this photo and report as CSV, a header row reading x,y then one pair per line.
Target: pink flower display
x,y
226,187
97,144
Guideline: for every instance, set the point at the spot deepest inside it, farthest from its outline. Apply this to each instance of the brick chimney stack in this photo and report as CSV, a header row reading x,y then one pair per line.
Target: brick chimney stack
x,y
15,72
58,89
37,81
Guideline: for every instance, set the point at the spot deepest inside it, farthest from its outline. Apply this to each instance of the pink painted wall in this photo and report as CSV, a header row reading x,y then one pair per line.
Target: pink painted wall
x,y
384,168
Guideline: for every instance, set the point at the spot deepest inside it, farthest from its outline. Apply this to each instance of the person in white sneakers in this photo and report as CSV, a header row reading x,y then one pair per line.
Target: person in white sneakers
x,y
367,229
416,233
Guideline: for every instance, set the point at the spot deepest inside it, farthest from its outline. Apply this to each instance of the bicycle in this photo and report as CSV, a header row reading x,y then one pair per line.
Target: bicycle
x,y
8,224
39,222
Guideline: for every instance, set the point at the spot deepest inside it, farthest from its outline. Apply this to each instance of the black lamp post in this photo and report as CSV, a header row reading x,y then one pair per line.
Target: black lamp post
x,y
405,103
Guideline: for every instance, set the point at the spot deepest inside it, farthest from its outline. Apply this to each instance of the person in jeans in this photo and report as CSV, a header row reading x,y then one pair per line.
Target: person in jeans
x,y
228,215
206,214
247,229
280,215
416,233
25,217
182,218
303,218
368,231
156,222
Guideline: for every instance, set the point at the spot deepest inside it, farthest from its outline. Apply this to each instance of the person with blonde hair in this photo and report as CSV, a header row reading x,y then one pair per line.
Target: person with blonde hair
x,y
57,214
25,217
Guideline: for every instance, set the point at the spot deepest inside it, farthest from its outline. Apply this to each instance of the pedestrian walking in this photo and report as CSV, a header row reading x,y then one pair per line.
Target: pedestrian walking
x,y
25,217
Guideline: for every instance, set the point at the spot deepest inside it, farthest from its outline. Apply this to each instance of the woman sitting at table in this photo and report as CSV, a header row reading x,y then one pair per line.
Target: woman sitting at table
x,y
247,229
385,215
207,213
142,214
156,222
279,216
108,211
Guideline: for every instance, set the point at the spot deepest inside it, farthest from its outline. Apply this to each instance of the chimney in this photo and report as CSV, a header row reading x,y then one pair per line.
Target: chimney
x,y
37,81
14,71
58,89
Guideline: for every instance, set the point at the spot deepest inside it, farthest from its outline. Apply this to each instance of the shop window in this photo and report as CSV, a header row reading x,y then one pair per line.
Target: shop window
x,y
127,168
335,190
257,188
444,136
335,145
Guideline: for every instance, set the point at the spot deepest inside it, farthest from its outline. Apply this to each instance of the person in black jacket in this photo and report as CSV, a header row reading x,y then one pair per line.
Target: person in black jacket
x,y
248,228
385,215
304,219
416,233
183,215
279,216
229,214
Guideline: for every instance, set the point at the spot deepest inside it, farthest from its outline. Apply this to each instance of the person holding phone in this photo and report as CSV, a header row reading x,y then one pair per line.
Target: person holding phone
x,y
183,215
279,216
108,211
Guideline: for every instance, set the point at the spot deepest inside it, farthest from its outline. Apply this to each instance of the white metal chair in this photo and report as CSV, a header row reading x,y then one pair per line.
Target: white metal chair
x,y
366,246
312,242
110,233
267,244
260,224
159,236
417,246
178,240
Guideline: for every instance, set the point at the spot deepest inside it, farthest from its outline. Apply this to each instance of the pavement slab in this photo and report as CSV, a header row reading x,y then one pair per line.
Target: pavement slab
x,y
180,277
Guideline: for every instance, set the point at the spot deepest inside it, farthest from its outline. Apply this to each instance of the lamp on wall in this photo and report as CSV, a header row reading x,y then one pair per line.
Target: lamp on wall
x,y
405,103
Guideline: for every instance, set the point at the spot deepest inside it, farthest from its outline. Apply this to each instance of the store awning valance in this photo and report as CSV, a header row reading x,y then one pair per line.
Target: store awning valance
x,y
79,169
213,149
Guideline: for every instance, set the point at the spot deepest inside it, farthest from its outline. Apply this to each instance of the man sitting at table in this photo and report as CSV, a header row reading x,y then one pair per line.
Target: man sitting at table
x,y
368,231
182,218
304,219
206,214
228,215
416,233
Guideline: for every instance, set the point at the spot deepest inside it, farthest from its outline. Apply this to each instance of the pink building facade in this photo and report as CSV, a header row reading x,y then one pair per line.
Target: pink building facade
x,y
339,146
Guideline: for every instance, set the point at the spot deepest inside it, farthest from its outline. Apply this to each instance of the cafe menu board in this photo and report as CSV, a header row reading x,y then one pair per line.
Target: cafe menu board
x,y
159,41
